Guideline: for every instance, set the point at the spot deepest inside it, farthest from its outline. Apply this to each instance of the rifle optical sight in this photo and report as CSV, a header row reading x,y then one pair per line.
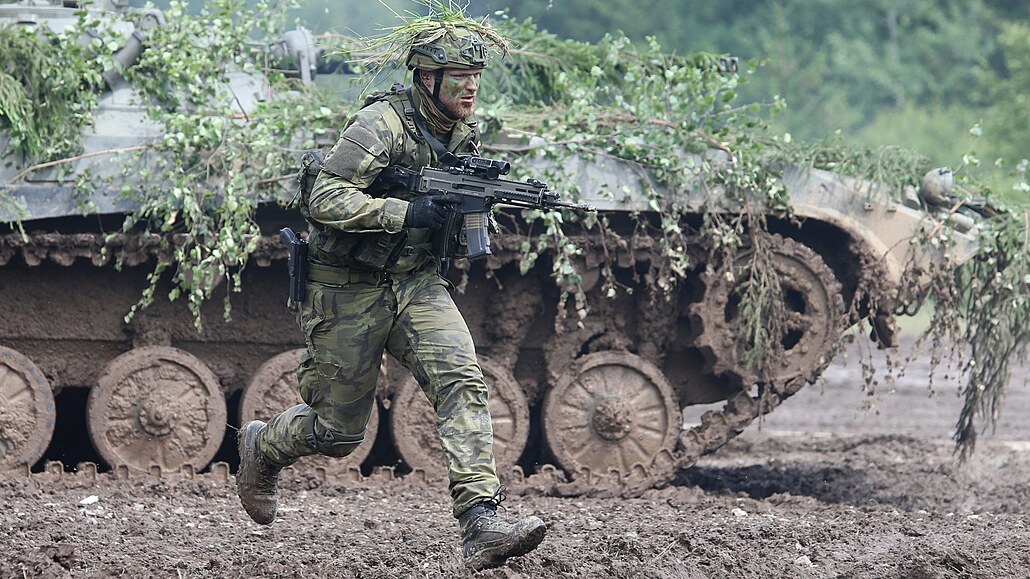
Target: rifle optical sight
x,y
489,168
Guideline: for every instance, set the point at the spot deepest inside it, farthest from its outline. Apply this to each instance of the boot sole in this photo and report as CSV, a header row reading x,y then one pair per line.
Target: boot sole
x,y
495,556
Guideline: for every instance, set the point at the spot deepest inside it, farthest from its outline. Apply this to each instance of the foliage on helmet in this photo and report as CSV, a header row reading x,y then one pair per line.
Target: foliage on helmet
x,y
445,37
447,47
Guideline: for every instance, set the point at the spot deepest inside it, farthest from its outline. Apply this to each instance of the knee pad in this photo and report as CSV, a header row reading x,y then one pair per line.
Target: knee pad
x,y
330,442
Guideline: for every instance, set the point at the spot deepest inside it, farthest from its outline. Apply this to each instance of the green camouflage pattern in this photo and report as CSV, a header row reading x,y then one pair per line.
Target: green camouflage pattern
x,y
375,138
452,47
348,326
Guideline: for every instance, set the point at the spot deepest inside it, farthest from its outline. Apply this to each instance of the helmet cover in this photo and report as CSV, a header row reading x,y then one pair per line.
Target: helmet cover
x,y
447,47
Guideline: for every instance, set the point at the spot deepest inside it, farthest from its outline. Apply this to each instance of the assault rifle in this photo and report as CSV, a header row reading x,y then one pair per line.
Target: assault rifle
x,y
476,184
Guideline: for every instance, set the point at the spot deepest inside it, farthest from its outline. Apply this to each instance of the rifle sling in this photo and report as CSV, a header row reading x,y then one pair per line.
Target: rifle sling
x,y
446,157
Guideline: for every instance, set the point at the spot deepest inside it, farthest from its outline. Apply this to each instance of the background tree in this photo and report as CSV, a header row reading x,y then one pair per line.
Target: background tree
x,y
914,73
1010,93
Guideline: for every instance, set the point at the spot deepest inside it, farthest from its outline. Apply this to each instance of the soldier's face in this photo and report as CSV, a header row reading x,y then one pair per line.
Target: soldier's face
x,y
458,91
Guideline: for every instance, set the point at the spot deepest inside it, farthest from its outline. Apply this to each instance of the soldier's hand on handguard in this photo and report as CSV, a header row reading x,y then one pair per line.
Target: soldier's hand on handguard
x,y
429,211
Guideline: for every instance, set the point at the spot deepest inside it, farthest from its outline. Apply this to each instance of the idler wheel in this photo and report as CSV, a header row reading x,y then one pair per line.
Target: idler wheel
x,y
274,388
617,411
413,423
26,411
156,406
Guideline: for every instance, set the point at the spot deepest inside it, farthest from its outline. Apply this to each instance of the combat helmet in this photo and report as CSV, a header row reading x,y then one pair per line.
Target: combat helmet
x,y
447,47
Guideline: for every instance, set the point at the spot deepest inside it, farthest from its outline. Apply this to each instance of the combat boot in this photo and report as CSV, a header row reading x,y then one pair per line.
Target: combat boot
x,y
256,479
488,541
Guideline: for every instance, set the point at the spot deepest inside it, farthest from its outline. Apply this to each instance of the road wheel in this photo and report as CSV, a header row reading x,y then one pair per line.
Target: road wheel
x,y
156,406
814,316
617,411
27,411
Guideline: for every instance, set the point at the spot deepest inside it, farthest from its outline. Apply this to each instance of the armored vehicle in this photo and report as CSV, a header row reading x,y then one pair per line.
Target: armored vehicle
x,y
593,393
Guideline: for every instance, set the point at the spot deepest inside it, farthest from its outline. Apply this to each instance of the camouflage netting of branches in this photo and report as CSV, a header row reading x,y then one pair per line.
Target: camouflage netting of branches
x,y
612,99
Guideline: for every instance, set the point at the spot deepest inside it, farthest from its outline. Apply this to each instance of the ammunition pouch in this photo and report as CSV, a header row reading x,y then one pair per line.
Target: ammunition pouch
x,y
371,252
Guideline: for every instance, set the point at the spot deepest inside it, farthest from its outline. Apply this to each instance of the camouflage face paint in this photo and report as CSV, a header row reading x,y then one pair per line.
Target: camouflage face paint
x,y
458,91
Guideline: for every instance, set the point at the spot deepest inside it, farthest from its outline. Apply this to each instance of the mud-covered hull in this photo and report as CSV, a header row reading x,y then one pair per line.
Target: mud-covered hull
x,y
628,367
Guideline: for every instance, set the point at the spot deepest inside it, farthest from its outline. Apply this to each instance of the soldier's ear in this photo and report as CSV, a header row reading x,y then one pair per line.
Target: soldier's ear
x,y
428,78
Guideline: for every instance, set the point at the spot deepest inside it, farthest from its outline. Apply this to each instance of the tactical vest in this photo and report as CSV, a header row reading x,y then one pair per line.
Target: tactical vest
x,y
380,251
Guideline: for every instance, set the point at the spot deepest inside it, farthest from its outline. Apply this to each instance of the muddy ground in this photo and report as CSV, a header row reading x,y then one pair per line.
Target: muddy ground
x,y
836,483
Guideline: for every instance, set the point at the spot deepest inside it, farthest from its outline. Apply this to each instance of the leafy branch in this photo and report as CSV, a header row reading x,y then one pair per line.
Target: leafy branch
x,y
49,86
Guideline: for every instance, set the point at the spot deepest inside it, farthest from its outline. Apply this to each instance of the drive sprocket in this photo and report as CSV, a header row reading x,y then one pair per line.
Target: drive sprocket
x,y
814,316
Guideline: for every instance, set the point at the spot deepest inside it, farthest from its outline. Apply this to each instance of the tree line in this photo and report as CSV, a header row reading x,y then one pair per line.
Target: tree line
x,y
947,78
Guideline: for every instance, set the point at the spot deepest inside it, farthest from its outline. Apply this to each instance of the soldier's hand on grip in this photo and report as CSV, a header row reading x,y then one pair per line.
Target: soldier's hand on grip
x,y
429,211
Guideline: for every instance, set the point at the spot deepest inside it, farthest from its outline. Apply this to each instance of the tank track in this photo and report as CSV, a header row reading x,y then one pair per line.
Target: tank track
x,y
716,429
131,249
125,248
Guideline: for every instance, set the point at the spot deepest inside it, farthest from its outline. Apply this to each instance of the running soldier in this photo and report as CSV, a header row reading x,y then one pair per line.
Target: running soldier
x,y
374,284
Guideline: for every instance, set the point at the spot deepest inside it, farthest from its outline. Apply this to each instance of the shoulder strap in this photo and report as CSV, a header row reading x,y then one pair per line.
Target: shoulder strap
x,y
401,105
396,88
446,157
406,112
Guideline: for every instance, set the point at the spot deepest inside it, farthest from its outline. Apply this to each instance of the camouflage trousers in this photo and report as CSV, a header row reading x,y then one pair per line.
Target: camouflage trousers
x,y
347,328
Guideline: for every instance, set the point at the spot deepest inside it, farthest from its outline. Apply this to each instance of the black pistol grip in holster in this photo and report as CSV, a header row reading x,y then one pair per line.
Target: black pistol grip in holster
x,y
298,263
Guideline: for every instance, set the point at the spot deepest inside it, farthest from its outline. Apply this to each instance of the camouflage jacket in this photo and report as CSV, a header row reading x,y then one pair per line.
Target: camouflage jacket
x,y
346,221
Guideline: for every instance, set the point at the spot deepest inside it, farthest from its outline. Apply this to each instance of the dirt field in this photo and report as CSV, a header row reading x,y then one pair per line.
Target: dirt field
x,y
823,488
